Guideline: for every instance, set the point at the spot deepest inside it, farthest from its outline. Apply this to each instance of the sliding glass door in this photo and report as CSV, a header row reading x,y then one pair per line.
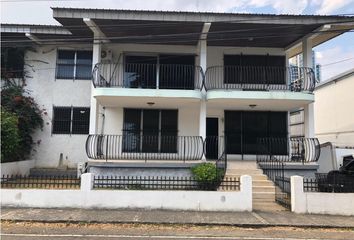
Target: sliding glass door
x,y
244,129
150,130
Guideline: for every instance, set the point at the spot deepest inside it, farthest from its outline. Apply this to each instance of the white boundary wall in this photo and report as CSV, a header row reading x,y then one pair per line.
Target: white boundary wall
x,y
17,168
319,203
124,199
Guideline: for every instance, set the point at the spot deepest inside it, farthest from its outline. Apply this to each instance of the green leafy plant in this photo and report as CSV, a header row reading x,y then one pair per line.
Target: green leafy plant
x,y
10,137
205,172
15,100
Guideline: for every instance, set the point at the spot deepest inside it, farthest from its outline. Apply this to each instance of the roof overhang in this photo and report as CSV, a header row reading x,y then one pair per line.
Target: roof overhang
x,y
185,28
26,34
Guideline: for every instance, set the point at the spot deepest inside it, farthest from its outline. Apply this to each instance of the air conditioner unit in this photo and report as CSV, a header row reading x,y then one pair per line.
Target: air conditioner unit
x,y
106,55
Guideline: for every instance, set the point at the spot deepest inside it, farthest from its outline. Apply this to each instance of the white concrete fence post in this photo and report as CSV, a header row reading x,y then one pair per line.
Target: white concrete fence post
x,y
298,198
246,189
87,181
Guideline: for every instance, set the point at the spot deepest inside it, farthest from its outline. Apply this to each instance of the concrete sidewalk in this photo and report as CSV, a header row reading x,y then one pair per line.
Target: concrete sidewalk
x,y
242,219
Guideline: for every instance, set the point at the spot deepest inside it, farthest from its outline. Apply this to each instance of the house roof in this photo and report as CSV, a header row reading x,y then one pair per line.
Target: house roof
x,y
186,28
227,29
11,33
337,78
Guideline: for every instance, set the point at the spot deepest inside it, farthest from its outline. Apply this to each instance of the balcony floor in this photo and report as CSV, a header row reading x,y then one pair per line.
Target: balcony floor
x,y
264,100
137,97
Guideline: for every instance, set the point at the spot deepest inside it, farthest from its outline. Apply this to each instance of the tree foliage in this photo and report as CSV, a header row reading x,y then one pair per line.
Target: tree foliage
x,y
16,100
10,136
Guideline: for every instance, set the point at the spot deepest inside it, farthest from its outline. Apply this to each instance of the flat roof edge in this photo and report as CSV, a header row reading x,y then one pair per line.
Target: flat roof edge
x,y
120,14
31,28
336,78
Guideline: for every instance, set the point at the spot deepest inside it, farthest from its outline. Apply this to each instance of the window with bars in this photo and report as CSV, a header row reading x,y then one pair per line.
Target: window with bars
x,y
74,65
71,120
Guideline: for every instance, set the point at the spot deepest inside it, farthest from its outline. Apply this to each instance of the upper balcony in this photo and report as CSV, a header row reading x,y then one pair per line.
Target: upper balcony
x,y
260,78
148,81
263,86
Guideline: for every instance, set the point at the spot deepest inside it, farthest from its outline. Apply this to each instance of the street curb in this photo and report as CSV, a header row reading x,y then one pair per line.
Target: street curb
x,y
241,225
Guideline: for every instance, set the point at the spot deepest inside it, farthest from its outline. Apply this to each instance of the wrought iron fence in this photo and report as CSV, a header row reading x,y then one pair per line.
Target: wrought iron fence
x,y
283,191
145,75
295,79
330,182
141,147
43,182
295,149
163,183
274,169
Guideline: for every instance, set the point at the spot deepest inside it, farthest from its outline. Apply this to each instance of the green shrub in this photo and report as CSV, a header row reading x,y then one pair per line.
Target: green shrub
x,y
10,136
15,100
205,172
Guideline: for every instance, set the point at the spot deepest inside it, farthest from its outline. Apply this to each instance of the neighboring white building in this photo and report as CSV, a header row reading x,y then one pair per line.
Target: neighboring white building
x,y
334,115
166,83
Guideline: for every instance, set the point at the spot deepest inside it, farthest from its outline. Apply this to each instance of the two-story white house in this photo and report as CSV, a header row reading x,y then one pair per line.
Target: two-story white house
x,y
123,86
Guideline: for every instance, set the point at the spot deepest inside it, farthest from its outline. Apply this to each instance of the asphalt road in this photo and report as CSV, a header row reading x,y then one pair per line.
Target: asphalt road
x,y
41,231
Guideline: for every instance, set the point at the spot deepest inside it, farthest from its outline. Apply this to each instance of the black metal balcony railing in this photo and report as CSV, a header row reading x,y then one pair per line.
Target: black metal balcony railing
x,y
141,147
297,149
150,76
295,79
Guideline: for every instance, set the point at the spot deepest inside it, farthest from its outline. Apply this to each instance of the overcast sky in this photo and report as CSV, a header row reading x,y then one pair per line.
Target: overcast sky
x,y
341,48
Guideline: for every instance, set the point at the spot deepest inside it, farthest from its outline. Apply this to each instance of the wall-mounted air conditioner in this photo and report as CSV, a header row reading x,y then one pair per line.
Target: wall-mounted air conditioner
x,y
106,55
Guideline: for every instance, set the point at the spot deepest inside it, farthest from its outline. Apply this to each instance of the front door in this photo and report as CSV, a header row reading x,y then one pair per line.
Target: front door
x,y
212,138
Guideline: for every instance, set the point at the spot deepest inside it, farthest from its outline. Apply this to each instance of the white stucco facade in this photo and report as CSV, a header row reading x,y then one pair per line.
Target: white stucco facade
x,y
333,113
67,150
49,92
195,36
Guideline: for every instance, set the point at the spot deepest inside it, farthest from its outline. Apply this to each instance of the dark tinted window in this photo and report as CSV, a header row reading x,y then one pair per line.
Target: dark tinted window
x,y
177,71
83,65
254,69
81,120
12,62
131,130
140,71
147,130
71,120
132,118
243,130
62,120
74,64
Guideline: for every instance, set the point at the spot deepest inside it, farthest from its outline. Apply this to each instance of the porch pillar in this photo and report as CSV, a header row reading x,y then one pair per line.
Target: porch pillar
x,y
307,53
308,109
203,65
94,109
202,52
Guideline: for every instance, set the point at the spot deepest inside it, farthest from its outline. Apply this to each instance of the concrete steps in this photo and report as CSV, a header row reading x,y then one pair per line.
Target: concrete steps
x,y
263,189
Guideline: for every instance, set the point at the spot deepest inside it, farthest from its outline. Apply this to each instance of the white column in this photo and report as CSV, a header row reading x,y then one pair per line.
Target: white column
x,y
94,111
203,109
307,52
308,109
246,190
298,197
87,182
202,119
309,115
203,65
